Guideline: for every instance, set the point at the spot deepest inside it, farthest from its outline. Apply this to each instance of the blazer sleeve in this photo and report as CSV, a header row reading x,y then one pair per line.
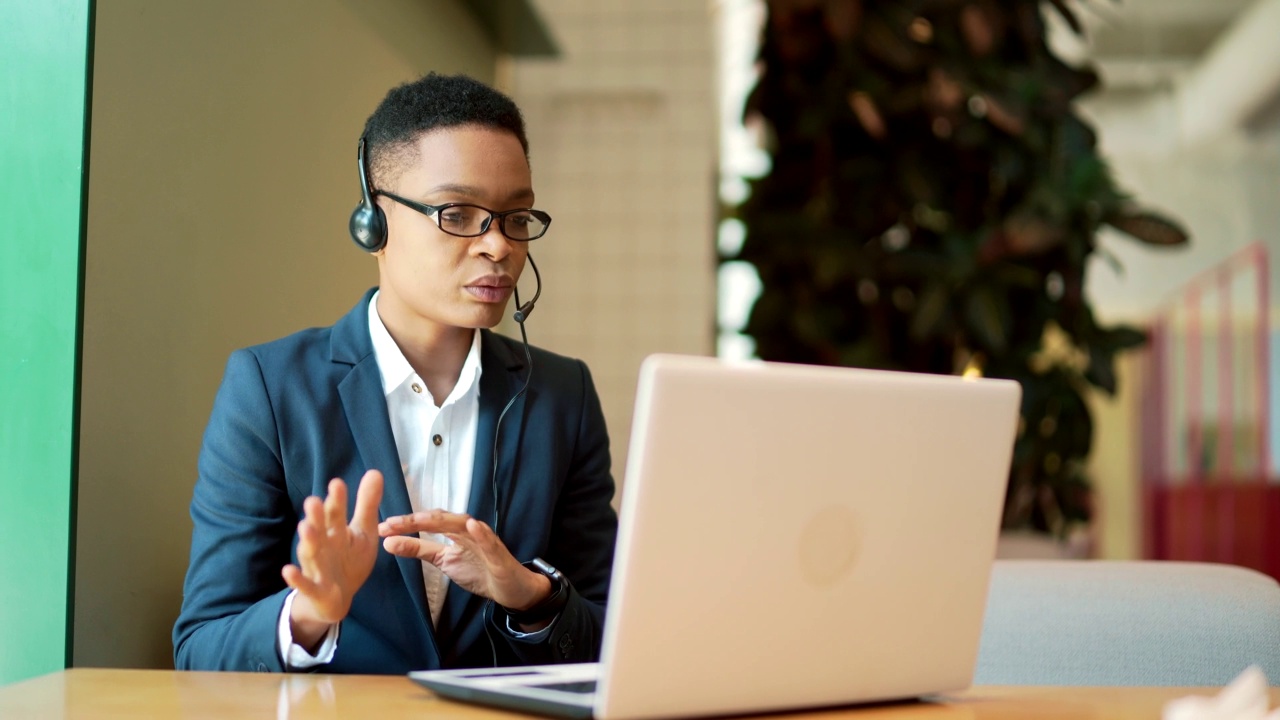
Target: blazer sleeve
x,y
583,534
243,532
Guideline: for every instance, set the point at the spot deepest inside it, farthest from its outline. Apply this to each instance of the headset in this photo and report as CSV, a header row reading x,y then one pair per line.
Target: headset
x,y
520,316
368,224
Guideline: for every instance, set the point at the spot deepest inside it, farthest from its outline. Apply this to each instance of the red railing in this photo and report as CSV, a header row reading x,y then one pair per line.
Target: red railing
x,y
1209,492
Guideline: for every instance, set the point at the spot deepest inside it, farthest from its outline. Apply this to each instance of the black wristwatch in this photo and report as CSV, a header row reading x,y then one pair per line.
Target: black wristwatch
x,y
551,605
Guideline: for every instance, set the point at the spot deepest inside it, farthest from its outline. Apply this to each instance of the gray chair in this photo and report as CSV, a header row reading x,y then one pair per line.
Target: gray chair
x,y
1092,622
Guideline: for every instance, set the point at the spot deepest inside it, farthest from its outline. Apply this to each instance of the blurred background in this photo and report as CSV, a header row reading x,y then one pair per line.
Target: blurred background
x,y
220,153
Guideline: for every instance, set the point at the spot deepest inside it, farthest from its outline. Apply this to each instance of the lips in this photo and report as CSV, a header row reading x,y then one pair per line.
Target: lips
x,y
490,288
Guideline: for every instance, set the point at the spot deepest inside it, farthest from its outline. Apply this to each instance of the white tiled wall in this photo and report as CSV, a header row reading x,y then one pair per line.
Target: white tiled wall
x,y
622,135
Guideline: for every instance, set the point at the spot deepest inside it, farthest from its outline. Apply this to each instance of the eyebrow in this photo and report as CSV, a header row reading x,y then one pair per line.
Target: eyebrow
x,y
475,193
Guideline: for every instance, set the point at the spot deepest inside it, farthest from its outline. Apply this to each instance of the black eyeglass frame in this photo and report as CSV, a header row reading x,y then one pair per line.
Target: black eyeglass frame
x,y
435,210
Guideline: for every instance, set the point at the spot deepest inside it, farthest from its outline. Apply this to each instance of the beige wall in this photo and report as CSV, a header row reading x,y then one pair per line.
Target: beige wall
x,y
222,173
622,133
1114,464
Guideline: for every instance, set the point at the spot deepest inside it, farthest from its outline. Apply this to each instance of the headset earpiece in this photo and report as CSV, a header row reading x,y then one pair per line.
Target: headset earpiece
x,y
368,224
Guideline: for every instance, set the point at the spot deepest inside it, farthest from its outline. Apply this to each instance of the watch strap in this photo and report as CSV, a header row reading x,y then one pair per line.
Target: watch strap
x,y
548,607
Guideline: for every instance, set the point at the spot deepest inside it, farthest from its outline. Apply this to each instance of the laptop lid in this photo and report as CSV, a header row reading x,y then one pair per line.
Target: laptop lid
x,y
797,536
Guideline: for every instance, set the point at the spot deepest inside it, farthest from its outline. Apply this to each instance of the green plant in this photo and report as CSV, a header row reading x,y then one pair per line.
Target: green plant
x,y
932,202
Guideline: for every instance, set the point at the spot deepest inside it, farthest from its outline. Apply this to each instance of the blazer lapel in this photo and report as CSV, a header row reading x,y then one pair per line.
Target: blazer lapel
x,y
501,378
366,410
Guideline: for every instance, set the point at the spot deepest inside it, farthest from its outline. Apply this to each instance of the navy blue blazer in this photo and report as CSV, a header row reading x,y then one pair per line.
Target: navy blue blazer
x,y
294,413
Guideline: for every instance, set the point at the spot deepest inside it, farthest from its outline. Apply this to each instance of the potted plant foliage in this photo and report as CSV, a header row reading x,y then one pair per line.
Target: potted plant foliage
x,y
932,204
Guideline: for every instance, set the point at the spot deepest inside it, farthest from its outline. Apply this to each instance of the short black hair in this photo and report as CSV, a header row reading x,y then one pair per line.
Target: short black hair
x,y
433,102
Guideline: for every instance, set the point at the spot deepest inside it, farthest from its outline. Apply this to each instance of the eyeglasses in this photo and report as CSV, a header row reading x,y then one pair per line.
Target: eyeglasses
x,y
466,220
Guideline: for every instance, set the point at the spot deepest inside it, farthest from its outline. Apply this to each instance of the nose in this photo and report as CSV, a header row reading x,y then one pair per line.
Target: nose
x,y
492,244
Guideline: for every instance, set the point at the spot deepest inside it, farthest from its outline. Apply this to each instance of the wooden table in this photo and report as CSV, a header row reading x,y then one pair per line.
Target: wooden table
x,y
100,694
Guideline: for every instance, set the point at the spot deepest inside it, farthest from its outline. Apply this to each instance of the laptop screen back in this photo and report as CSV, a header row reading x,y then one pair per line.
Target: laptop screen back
x,y
799,536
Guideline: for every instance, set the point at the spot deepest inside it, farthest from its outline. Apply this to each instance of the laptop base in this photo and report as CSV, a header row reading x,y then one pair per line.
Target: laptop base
x,y
560,691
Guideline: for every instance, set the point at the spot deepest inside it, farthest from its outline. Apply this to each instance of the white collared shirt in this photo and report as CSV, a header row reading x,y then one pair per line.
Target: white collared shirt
x,y
436,446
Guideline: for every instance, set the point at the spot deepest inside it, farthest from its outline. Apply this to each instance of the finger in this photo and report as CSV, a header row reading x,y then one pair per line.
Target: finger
x,y
487,542
480,531
368,496
313,513
297,580
335,506
480,535
308,539
431,521
411,547
463,544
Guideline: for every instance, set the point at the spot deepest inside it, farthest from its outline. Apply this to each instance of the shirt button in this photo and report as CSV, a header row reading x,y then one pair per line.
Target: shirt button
x,y
437,440
416,388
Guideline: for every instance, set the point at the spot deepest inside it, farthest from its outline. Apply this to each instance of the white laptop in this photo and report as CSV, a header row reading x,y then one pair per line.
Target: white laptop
x,y
790,537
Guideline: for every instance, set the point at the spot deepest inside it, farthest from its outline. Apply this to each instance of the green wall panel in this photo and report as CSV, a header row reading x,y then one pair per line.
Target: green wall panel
x,y
45,50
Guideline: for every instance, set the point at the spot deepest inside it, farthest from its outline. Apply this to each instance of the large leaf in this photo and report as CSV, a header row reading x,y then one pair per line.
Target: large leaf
x,y
1120,337
1028,234
1102,370
1069,15
1148,227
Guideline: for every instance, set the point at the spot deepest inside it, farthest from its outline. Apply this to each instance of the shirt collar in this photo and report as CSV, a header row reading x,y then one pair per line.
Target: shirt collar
x,y
395,369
